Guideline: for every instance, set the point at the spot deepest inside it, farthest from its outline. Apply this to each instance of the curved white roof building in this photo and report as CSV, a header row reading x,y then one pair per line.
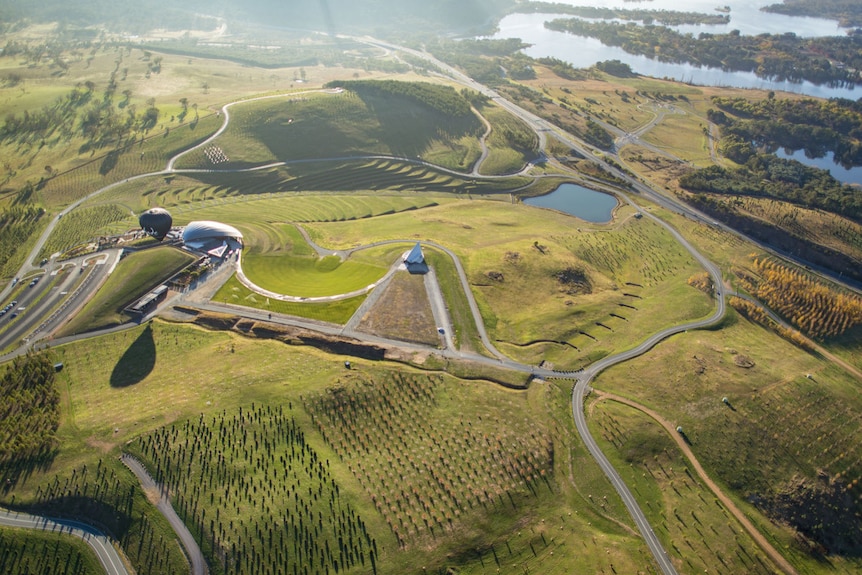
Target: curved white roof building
x,y
214,238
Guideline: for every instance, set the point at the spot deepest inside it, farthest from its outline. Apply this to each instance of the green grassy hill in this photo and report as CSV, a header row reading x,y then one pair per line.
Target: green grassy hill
x,y
364,120
280,458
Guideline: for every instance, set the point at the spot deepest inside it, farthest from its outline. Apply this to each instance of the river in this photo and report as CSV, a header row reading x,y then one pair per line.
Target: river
x,y
745,16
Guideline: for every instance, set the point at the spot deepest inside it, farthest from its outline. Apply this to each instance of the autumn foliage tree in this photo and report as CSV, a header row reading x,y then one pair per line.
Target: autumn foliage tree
x,y
815,308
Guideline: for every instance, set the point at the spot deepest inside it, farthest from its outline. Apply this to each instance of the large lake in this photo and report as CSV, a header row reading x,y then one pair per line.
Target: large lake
x,y
578,201
840,173
745,16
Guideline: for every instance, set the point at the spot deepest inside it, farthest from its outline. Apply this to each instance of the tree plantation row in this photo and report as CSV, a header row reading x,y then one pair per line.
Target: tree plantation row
x,y
817,309
421,470
257,496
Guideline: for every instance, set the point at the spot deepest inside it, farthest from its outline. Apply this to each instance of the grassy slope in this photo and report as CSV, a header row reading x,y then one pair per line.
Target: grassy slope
x,y
45,554
132,278
316,125
772,401
511,143
229,371
485,234
697,531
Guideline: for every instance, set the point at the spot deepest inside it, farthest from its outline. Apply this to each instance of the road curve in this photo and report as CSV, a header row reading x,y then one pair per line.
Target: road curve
x,y
758,537
148,484
99,542
583,379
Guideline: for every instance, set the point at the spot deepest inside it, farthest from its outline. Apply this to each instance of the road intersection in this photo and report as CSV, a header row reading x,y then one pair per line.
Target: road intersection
x,y
581,379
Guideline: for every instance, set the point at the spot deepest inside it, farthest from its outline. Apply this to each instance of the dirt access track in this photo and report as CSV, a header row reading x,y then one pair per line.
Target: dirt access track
x,y
758,537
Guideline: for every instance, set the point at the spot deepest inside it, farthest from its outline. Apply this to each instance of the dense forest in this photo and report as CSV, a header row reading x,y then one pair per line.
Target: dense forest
x,y
816,126
847,12
767,176
402,18
828,60
29,416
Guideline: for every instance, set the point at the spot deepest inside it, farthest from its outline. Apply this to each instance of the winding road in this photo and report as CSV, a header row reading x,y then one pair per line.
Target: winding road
x,y
581,379
163,504
98,541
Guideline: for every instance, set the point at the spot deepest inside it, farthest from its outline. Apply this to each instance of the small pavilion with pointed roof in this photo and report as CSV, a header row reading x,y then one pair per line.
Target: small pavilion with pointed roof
x,y
414,261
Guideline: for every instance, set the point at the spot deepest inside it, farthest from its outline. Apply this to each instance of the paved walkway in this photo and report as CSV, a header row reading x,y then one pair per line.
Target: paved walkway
x,y
163,504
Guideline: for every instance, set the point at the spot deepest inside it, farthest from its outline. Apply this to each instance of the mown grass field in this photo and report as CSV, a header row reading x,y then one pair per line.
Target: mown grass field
x,y
338,312
310,276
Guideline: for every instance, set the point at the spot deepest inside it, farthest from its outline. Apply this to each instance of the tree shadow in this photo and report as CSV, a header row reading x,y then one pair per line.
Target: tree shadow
x,y
21,468
109,162
684,436
138,361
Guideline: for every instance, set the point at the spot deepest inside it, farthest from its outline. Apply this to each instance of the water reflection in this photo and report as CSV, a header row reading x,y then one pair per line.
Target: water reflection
x,y
578,201
745,16
827,162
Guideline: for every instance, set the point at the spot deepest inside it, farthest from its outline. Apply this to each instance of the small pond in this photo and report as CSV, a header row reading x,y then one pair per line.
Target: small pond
x,y
578,201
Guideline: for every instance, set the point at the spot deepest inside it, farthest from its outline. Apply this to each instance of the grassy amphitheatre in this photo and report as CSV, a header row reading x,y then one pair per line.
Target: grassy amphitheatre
x,y
339,312
281,460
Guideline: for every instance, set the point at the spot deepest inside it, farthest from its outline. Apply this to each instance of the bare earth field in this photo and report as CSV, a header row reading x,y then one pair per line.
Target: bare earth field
x,y
403,312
